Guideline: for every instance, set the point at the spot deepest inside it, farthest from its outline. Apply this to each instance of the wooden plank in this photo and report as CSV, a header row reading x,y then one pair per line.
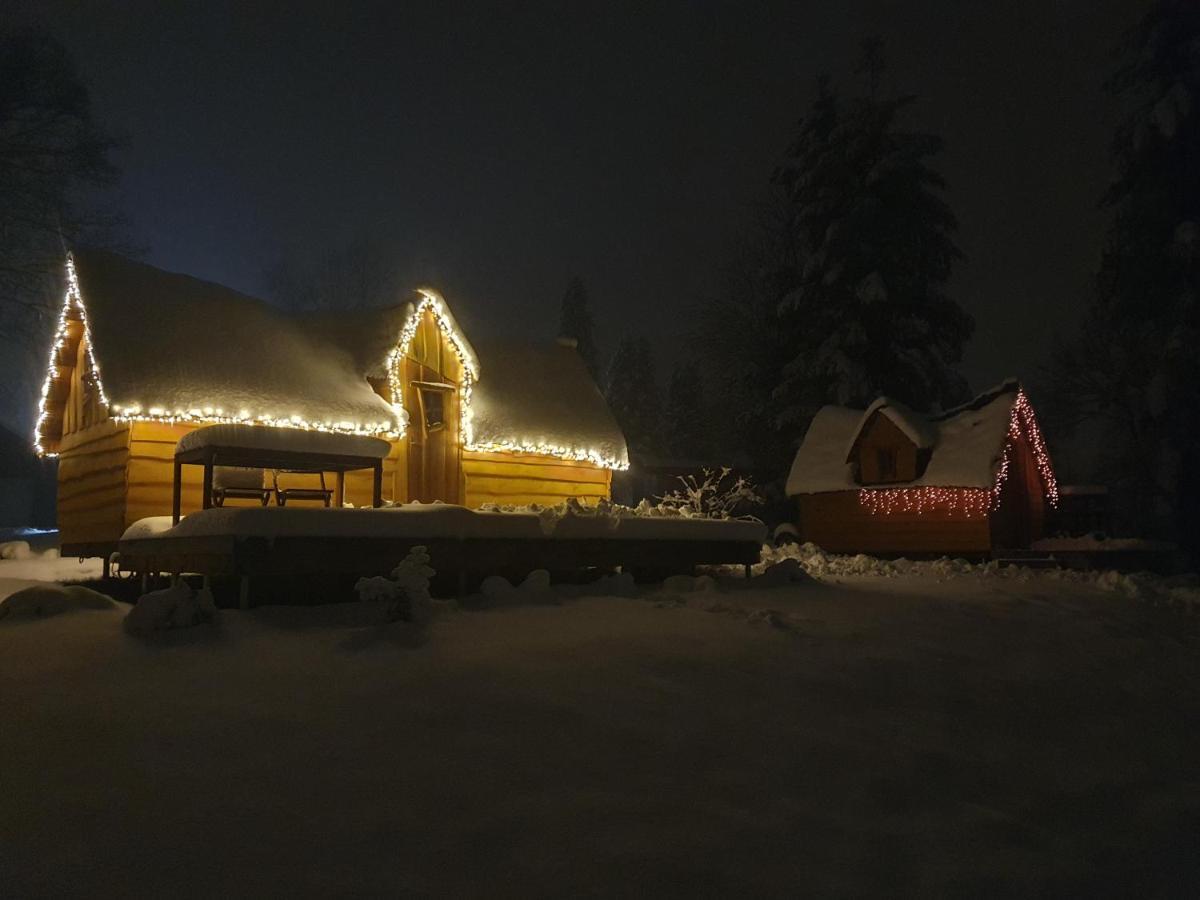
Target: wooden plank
x,y
71,491
109,434
526,459
74,468
505,468
507,486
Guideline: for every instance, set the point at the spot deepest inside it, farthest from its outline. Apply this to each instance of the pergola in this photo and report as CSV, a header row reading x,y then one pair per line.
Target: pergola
x,y
289,449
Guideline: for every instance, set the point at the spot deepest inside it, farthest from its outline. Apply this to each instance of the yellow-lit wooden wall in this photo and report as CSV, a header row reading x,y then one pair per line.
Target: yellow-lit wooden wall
x,y
91,485
93,452
523,478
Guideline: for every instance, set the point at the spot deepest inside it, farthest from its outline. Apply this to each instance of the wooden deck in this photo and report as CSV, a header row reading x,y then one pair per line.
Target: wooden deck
x,y
263,567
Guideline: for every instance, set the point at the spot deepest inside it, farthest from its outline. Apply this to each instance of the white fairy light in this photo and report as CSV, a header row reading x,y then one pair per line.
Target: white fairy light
x,y
433,302
208,414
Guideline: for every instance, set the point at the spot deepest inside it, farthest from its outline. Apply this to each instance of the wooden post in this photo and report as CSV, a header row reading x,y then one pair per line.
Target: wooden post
x,y
206,501
176,492
377,484
339,493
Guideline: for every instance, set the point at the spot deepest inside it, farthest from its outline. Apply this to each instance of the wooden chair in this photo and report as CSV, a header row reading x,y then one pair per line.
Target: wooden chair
x,y
284,494
238,482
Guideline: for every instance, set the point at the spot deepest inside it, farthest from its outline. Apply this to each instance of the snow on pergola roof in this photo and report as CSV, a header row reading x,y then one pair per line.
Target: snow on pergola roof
x,y
967,444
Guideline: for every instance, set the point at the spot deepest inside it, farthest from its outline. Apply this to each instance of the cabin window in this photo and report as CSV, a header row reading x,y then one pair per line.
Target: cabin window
x,y
885,459
433,407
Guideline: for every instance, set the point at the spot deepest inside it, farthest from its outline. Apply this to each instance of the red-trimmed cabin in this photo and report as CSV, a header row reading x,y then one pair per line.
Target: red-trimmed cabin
x,y
973,481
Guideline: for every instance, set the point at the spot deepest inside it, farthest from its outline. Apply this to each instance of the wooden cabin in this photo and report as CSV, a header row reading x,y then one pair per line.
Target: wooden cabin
x,y
143,356
974,481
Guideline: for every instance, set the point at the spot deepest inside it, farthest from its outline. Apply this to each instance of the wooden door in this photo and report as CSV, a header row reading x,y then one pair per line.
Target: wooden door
x,y
433,451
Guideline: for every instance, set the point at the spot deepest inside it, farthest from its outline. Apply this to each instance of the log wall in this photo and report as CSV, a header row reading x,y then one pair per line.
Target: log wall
x,y
838,523
91,486
523,478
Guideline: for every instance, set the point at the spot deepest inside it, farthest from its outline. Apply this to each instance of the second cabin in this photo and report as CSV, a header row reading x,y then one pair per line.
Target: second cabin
x,y
974,481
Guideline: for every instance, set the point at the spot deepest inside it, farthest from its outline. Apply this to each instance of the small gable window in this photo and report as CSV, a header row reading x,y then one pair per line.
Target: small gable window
x,y
433,408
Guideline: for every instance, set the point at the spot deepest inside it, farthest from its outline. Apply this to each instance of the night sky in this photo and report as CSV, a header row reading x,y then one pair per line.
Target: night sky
x,y
500,148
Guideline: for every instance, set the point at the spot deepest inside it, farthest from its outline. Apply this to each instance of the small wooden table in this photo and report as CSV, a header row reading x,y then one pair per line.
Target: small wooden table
x,y
258,448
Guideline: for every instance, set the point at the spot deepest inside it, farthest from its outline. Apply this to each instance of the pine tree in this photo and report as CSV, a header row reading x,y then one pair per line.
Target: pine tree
x,y
576,322
55,159
1134,365
686,421
632,394
868,312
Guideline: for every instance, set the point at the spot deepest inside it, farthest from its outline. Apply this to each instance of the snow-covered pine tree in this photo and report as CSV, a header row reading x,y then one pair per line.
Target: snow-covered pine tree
x,y
632,394
686,422
868,312
1134,364
576,322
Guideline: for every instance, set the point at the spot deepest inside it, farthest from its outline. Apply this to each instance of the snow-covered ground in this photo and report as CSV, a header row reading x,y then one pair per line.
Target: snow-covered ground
x,y
930,729
22,566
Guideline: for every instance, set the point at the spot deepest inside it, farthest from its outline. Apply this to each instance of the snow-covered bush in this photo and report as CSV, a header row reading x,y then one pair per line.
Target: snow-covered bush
x,y
407,590
15,550
178,606
716,497
44,600
497,589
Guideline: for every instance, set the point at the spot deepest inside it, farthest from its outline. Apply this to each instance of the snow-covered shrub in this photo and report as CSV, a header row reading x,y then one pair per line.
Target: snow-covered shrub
x,y
44,600
713,498
178,606
686,584
497,589
407,590
787,571
15,550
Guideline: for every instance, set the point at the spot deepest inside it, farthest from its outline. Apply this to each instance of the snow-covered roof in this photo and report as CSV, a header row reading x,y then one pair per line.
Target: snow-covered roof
x,y
169,346
166,343
911,423
368,336
967,444
532,395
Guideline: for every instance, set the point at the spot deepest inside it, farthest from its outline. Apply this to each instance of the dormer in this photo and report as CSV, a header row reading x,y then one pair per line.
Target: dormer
x,y
892,445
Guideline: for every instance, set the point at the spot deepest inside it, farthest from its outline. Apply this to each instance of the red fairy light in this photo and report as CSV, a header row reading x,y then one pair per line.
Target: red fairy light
x,y
972,501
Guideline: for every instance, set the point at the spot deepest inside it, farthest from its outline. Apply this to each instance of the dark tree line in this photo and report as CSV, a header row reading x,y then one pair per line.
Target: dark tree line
x,y
839,293
1133,366
54,158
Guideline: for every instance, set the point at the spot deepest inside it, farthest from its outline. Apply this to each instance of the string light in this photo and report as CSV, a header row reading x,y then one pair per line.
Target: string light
x,y
973,501
430,300
72,301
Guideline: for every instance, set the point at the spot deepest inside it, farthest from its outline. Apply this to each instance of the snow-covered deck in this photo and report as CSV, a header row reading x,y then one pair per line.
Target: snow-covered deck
x,y
246,542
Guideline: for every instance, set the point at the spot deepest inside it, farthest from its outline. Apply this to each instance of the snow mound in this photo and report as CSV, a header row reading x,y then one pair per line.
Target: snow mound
x,y
178,606
45,600
1181,592
497,589
15,550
